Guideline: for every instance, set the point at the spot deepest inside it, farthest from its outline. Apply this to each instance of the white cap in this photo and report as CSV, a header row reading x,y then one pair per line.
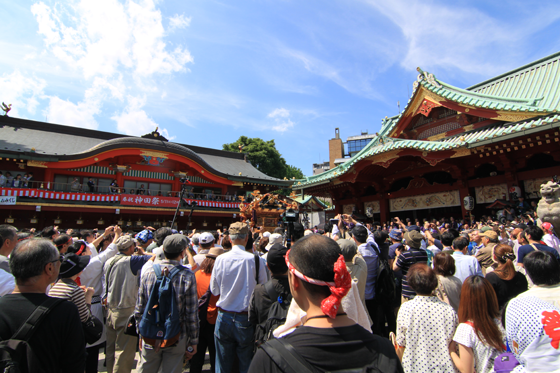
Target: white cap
x,y
205,238
266,234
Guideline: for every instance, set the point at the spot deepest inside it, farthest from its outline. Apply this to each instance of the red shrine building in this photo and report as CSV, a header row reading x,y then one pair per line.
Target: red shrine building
x,y
498,139
85,178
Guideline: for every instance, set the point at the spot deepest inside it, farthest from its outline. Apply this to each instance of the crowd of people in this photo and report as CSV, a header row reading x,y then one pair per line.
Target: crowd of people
x,y
434,296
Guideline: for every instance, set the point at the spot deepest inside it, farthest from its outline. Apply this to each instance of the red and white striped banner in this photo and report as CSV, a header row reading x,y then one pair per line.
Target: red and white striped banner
x,y
48,194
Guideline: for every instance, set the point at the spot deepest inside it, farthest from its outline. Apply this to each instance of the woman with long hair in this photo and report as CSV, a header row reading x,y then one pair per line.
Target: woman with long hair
x,y
479,336
506,281
207,325
449,286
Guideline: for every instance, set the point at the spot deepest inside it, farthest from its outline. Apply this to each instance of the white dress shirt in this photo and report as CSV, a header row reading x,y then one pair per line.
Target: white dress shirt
x,y
92,276
233,278
7,283
465,266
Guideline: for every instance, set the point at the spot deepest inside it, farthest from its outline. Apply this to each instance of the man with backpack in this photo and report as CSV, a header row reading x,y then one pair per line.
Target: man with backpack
x,y
120,294
167,311
50,327
270,301
328,339
234,277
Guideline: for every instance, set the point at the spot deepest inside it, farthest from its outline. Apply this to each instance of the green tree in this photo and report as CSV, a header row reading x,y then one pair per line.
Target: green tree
x,y
266,158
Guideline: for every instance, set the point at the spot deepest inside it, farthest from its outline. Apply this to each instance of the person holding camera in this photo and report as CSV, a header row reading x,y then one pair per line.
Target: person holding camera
x,y
121,290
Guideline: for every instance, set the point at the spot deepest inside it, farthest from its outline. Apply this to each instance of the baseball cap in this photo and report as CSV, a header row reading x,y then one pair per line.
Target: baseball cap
x,y
175,243
238,228
73,264
144,236
266,234
206,237
413,239
275,259
396,234
124,242
490,234
273,239
413,228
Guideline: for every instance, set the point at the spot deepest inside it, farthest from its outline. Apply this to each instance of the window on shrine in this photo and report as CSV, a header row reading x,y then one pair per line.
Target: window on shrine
x,y
152,189
65,183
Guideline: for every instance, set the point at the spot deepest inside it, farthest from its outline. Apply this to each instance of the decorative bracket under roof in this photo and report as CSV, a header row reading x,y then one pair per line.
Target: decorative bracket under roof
x,y
155,135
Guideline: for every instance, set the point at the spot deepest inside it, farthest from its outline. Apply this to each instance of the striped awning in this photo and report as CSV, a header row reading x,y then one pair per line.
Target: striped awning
x,y
149,175
95,170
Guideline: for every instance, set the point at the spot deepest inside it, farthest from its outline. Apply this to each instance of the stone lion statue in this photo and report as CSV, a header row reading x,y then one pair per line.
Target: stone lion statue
x,y
548,209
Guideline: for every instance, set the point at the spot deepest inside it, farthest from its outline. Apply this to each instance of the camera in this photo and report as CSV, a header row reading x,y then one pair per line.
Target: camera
x,y
290,216
183,180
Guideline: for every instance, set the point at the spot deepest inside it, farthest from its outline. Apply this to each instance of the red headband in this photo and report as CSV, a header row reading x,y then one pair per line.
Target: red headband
x,y
82,247
339,288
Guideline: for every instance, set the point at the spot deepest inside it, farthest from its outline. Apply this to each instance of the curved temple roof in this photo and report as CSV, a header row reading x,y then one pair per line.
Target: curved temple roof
x,y
533,89
52,142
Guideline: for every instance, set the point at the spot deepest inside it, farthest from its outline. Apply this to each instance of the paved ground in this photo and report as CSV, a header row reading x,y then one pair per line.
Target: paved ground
x,y
205,368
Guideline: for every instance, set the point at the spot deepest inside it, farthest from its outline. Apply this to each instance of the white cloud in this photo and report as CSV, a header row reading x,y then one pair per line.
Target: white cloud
x,y
21,91
83,113
101,37
76,115
281,118
454,36
135,121
179,22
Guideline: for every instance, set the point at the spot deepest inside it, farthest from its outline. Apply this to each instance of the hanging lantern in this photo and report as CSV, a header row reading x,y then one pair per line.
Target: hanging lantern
x,y
139,223
468,203
120,222
129,223
57,220
100,222
9,219
80,221
156,223
204,224
34,220
164,224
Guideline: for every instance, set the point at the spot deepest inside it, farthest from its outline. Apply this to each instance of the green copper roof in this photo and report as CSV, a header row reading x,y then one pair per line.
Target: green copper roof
x,y
531,104
533,88
537,79
306,200
381,144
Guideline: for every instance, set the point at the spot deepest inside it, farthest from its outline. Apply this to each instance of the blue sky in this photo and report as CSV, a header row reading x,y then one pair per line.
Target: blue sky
x,y
207,72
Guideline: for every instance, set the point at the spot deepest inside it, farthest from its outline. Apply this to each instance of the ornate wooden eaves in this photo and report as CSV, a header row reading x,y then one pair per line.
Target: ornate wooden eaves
x,y
425,100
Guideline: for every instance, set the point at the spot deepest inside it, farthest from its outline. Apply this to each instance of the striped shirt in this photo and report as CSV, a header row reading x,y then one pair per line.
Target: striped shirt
x,y
404,262
66,288
184,284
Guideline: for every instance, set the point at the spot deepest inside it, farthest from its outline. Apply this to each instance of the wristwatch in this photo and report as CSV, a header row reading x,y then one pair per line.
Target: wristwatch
x,y
190,349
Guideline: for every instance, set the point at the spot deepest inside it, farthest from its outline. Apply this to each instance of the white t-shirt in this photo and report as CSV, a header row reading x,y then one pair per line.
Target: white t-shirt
x,y
484,354
552,241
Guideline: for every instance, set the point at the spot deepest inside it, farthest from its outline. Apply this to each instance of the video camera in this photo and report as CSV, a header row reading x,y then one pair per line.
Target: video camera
x,y
290,216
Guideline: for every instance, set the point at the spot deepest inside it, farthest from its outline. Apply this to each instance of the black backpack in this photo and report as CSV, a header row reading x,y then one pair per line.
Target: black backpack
x,y
16,355
385,284
289,360
276,314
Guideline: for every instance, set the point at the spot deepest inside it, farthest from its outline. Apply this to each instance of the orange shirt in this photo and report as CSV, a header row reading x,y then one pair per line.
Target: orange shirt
x,y
202,284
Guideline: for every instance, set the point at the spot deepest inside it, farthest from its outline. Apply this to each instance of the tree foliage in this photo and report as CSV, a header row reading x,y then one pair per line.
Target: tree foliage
x,y
265,157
